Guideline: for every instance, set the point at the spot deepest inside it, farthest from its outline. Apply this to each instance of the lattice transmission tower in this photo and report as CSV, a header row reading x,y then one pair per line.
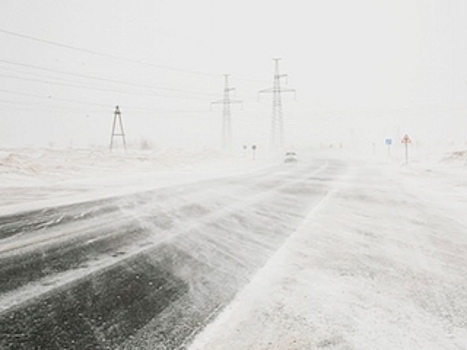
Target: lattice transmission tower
x,y
117,121
226,116
277,123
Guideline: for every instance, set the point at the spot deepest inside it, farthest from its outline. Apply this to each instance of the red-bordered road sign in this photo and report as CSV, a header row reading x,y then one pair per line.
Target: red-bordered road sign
x,y
406,139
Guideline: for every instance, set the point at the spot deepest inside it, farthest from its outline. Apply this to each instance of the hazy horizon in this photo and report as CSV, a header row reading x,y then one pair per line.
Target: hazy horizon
x,y
363,71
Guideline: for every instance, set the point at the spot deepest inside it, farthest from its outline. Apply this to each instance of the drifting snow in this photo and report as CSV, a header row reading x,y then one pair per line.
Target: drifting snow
x,y
207,237
36,178
380,264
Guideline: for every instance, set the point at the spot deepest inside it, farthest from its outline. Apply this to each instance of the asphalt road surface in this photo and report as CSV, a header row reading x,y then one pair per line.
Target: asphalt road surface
x,y
151,269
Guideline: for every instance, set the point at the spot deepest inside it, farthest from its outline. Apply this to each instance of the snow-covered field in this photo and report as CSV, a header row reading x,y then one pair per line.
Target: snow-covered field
x,y
36,178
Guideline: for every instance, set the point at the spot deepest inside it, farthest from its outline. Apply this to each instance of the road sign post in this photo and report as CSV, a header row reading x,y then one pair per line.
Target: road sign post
x,y
388,143
406,140
254,151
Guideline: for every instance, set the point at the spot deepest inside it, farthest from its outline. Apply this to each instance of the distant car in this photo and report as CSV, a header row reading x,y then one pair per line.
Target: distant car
x,y
291,157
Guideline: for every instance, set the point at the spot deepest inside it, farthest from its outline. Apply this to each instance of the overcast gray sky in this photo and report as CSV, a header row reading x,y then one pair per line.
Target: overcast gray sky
x,y
363,70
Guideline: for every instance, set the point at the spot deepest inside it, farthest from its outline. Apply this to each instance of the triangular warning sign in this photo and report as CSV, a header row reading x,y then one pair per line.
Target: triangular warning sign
x,y
406,139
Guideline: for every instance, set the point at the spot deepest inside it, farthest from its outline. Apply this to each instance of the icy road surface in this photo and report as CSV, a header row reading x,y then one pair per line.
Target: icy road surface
x,y
147,270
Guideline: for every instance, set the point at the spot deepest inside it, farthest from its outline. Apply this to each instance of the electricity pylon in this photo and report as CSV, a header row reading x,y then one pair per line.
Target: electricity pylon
x,y
226,120
117,116
277,124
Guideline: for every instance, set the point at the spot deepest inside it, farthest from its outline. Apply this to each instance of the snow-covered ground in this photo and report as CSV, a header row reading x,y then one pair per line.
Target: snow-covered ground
x,y
381,263
178,254
37,178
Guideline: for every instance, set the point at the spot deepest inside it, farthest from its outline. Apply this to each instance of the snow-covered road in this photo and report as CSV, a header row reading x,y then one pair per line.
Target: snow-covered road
x,y
380,264
147,270
328,253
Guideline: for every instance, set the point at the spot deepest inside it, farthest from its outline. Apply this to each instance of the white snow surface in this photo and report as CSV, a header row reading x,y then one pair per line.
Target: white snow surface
x,y
37,178
380,263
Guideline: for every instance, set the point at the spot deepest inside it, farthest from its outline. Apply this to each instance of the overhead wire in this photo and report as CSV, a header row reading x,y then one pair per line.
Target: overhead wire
x,y
48,107
99,88
121,58
133,109
116,81
102,54
64,82
21,71
53,99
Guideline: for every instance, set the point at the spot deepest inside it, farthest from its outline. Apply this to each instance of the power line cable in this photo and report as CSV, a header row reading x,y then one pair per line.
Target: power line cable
x,y
116,81
62,81
99,88
53,99
134,109
49,107
63,109
96,53
123,59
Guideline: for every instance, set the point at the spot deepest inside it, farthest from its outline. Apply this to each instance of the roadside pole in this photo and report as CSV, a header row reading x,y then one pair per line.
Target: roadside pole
x,y
254,151
406,140
388,143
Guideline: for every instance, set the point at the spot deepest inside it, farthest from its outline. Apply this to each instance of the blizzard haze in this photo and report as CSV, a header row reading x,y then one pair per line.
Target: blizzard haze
x,y
343,238
363,71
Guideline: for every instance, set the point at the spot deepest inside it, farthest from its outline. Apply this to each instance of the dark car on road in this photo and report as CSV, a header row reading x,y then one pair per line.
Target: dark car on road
x,y
290,157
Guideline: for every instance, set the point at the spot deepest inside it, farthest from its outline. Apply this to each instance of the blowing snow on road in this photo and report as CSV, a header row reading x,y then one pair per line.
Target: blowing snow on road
x,y
379,264
233,175
329,252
